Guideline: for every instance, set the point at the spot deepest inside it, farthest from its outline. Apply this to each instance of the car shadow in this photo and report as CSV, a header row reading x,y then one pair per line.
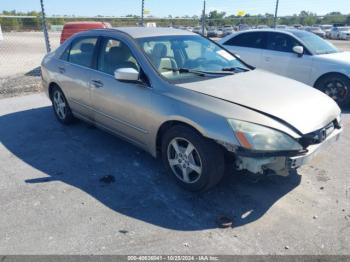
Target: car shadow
x,y
346,109
128,180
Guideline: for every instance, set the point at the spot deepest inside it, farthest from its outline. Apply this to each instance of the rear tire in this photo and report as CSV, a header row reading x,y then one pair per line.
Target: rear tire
x,y
336,86
61,107
196,163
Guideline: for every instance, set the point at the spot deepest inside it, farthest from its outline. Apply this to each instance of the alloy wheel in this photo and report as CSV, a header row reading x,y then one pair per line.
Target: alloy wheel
x,y
337,90
59,104
184,160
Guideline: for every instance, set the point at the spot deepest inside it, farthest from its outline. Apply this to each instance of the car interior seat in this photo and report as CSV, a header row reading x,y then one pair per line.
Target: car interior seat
x,y
160,59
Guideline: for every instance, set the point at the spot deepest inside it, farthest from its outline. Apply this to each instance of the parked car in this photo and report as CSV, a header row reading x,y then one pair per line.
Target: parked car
x,y
327,29
298,26
72,28
243,27
344,33
316,30
340,33
185,99
198,30
227,30
281,27
214,32
297,54
262,27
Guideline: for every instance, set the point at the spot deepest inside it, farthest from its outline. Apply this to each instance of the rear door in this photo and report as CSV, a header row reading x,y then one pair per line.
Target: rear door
x,y
75,74
280,58
248,46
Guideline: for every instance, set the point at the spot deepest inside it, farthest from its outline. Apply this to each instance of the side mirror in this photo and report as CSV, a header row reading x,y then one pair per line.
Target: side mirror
x,y
126,74
299,50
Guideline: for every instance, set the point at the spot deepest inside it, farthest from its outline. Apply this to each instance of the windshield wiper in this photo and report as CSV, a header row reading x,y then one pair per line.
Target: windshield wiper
x,y
184,70
235,69
197,72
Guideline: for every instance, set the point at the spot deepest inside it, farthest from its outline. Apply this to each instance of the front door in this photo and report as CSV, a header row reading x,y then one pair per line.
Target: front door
x,y
121,107
249,46
279,58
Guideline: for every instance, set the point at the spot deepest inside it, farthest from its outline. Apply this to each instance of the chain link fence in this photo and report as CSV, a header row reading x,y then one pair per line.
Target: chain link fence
x,y
22,42
22,46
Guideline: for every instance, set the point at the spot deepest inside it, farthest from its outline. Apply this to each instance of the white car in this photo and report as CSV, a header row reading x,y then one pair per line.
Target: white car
x,y
296,54
327,29
344,33
340,33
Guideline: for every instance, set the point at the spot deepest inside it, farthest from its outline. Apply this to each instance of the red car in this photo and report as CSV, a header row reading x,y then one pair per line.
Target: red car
x,y
72,28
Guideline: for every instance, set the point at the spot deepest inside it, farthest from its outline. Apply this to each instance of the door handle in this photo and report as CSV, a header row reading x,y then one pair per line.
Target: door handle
x,y
61,69
97,83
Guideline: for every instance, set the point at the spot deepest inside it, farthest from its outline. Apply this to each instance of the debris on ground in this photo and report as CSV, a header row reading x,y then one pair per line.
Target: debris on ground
x,y
123,231
19,85
315,217
286,247
224,222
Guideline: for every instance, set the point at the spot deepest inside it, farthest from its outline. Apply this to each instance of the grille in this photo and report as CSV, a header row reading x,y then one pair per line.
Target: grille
x,y
318,136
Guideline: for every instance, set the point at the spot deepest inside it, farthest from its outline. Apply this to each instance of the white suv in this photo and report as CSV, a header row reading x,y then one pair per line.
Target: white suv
x,y
296,54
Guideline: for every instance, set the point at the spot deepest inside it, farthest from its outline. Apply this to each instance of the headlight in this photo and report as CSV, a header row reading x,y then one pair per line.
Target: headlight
x,y
256,137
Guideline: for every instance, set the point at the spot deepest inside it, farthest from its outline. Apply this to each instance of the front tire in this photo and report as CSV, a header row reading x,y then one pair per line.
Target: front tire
x,y
61,107
336,86
196,163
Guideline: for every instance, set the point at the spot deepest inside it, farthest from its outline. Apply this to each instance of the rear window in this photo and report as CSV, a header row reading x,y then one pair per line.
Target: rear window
x,y
82,51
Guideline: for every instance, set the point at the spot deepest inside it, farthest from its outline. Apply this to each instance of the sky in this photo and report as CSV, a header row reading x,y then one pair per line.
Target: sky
x,y
163,8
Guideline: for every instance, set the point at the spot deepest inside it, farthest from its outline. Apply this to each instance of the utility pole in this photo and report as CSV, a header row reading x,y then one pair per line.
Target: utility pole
x,y
142,12
44,27
203,18
276,12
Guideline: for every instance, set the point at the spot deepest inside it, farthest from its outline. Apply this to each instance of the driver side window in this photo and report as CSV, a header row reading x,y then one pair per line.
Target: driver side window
x,y
281,42
113,55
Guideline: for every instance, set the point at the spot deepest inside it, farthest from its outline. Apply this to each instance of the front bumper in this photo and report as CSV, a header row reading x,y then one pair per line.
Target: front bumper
x,y
282,164
313,150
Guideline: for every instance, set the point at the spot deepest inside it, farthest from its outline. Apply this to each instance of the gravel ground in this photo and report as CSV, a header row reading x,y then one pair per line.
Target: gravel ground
x,y
20,85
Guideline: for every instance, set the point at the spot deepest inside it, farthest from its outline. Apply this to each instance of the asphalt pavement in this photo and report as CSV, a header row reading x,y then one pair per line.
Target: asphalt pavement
x,y
78,190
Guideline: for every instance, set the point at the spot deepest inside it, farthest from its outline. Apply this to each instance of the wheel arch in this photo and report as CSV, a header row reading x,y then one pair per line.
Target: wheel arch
x,y
50,88
165,126
327,75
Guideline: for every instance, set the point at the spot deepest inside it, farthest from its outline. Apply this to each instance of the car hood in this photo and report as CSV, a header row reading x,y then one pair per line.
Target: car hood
x,y
343,57
289,101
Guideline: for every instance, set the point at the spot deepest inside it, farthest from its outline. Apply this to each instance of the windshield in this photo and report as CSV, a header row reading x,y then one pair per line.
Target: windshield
x,y
316,44
188,56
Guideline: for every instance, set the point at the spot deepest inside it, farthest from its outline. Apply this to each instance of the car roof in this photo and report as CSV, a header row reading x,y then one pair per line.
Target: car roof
x,y
287,30
142,32
290,31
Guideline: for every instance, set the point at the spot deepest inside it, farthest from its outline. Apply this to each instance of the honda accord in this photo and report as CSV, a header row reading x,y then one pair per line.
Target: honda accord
x,y
188,101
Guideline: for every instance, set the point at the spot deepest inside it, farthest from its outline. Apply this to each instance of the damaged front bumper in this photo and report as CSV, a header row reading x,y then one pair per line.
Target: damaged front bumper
x,y
281,164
